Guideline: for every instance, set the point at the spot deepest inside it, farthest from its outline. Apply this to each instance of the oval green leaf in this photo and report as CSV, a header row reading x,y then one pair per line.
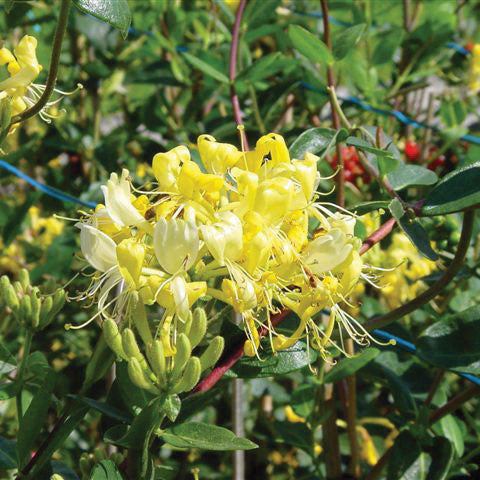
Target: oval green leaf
x,y
309,45
457,191
205,437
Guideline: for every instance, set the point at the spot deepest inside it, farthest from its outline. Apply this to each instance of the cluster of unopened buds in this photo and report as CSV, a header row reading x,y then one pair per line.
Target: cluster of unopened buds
x,y
32,308
353,170
227,225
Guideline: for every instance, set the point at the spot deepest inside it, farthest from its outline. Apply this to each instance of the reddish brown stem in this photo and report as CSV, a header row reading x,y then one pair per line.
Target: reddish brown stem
x,y
340,178
378,235
233,72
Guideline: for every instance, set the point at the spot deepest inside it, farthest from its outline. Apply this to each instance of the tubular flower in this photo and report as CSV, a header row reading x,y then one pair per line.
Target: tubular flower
x,y
237,232
474,74
20,88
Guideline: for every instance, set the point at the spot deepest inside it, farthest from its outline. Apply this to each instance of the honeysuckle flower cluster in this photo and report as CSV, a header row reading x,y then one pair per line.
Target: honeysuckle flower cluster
x,y
474,74
233,227
403,268
19,87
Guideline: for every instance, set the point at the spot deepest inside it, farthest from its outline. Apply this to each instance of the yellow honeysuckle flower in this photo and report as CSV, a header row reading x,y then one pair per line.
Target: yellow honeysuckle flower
x,y
474,74
238,234
24,68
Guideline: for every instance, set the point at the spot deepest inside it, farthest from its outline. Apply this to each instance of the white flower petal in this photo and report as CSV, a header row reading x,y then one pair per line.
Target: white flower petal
x,y
97,247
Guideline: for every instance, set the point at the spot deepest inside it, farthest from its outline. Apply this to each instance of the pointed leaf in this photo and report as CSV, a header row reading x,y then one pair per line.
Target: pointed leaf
x,y
309,45
344,42
206,68
114,12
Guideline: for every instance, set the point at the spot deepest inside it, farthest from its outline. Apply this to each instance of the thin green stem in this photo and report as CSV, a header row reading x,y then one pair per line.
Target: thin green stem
x,y
435,289
21,370
53,69
336,106
256,110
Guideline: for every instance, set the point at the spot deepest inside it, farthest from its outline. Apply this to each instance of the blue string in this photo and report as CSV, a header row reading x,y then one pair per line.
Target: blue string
x,y
59,195
401,117
411,348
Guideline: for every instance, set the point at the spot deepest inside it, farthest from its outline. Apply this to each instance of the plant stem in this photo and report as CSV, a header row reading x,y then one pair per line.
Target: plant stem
x,y
233,72
340,177
434,290
53,69
256,110
21,370
378,235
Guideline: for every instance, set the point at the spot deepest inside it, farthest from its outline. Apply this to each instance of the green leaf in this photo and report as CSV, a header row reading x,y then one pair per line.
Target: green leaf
x,y
58,437
348,366
264,67
295,434
442,454
100,362
401,394
451,430
456,191
105,470
407,175
283,362
454,342
206,68
205,437
105,408
172,406
34,418
366,147
303,400
418,236
344,42
405,454
313,140
309,45
396,209
9,390
114,12
7,454
8,5
134,436
367,207
14,226
389,42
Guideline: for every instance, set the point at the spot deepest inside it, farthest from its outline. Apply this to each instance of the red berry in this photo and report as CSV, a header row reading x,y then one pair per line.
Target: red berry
x,y
412,151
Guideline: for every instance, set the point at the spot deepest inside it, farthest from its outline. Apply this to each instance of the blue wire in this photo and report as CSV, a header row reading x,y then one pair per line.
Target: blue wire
x,y
59,195
411,348
401,117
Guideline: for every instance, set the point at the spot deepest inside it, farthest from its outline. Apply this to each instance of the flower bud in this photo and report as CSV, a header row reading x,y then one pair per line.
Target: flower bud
x,y
85,463
129,344
186,325
138,377
190,377
25,311
198,328
58,301
156,357
18,288
113,338
9,295
56,476
45,309
210,356
184,350
36,304
99,454
24,278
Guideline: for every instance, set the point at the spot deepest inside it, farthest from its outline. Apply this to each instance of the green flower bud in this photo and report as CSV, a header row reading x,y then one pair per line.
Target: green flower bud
x,y
156,358
184,350
113,338
185,326
18,288
45,317
10,297
56,476
140,321
129,344
25,311
24,278
211,355
117,458
85,463
190,377
36,305
138,377
198,328
58,302
99,454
